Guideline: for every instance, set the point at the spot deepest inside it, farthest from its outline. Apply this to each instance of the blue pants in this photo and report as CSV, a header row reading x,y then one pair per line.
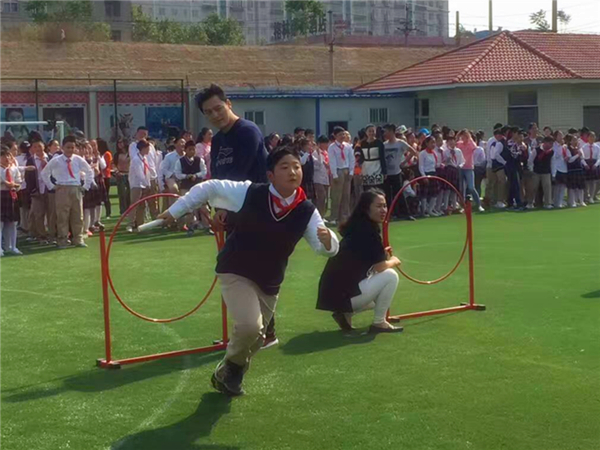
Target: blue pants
x,y
468,178
514,186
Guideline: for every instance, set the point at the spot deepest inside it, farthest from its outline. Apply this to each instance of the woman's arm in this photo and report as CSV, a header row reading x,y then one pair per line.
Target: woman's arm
x,y
388,264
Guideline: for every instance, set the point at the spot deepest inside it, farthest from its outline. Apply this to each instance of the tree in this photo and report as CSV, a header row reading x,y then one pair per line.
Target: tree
x,y
539,20
305,16
221,31
463,32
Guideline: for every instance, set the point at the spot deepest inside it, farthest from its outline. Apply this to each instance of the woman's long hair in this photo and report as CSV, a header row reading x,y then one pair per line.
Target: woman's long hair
x,y
361,211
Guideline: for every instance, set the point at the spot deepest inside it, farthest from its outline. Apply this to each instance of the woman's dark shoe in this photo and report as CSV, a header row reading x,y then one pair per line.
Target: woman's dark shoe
x,y
391,329
343,322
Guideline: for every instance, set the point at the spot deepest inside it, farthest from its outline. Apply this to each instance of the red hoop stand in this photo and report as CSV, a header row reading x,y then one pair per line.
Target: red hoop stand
x,y
108,362
470,305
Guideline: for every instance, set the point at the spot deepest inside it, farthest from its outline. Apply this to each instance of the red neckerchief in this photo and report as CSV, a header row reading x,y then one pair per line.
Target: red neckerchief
x,y
591,151
341,150
544,153
453,154
70,169
9,179
146,166
283,210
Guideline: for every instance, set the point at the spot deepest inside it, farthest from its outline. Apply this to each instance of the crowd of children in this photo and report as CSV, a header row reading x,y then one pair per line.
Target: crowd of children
x,y
520,169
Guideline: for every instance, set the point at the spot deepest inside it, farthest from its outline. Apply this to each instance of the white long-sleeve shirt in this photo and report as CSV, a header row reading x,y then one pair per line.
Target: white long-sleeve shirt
x,y
488,151
479,157
230,195
182,176
15,174
58,169
559,160
40,164
152,159
21,164
336,161
167,168
427,162
138,177
457,160
592,151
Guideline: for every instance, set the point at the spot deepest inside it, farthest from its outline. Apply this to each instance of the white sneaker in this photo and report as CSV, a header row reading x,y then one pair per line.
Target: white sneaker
x,y
129,229
529,206
500,205
481,209
591,201
548,207
583,204
15,251
572,205
426,215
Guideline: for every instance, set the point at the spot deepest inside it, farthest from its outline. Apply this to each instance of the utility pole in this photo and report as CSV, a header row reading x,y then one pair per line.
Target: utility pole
x,y
331,39
457,37
555,16
491,18
408,23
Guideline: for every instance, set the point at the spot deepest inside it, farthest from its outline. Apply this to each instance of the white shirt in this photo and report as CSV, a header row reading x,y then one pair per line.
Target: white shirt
x,y
559,160
458,160
479,157
167,168
203,151
408,190
488,151
496,150
592,151
58,168
137,177
15,174
230,195
152,159
22,163
321,175
336,162
427,162
182,176
40,164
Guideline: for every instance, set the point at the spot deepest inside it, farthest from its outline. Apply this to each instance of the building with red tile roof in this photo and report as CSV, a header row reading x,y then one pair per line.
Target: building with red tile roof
x,y
509,77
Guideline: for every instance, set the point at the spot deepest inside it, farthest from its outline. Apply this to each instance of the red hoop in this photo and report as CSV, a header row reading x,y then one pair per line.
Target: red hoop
x,y
386,239
218,237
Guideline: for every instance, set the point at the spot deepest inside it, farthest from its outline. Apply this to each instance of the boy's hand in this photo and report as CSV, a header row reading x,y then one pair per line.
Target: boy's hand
x,y
167,217
220,217
324,236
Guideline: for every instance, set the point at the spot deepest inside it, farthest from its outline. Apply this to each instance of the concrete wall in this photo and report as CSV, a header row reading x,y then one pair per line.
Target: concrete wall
x,y
560,106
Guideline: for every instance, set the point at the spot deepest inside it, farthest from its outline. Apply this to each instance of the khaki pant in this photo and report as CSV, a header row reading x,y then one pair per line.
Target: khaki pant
x,y
136,217
497,186
37,216
52,233
153,204
322,193
340,195
171,187
490,186
527,185
546,181
69,214
251,311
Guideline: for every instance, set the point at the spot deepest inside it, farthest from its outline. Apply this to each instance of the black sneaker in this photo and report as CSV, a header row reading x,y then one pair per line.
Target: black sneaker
x,y
227,378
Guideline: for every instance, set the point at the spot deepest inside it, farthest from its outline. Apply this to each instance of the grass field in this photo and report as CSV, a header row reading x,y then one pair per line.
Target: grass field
x,y
523,375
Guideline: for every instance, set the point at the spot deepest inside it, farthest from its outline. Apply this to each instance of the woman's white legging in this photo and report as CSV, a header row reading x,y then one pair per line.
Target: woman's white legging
x,y
377,292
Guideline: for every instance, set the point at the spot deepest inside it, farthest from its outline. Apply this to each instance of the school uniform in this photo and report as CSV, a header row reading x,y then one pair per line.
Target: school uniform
x,y
9,208
308,174
453,162
24,201
51,213
480,165
321,178
559,164
490,177
153,162
184,168
64,175
513,168
107,175
427,167
591,155
341,162
348,283
394,154
251,266
122,175
542,168
140,183
576,175
497,176
39,200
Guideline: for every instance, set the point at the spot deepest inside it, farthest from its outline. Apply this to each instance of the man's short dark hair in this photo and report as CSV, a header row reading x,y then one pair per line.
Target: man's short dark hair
x,y
531,125
337,130
142,128
309,131
584,130
190,143
205,94
299,130
572,131
69,139
505,129
171,148
390,127
322,139
548,139
278,154
498,125
498,131
35,139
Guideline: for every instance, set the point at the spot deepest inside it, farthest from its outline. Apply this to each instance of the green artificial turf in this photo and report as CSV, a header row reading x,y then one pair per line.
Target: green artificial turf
x,y
522,375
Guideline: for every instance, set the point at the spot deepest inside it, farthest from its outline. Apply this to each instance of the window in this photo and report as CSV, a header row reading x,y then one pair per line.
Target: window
x,y
258,117
112,9
115,35
421,112
378,115
14,7
195,13
161,11
522,108
591,117
174,11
